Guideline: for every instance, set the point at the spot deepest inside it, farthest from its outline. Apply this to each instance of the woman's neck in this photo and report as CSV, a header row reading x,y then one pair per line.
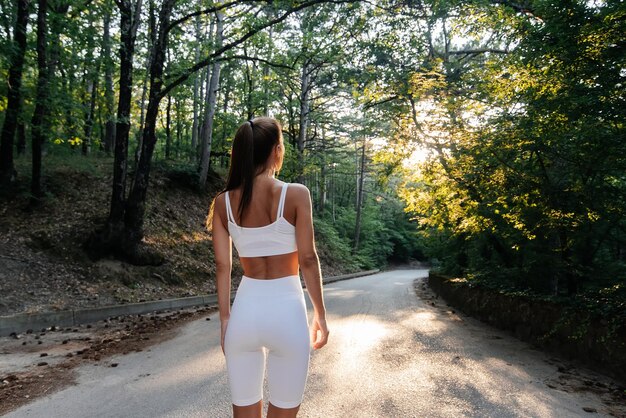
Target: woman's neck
x,y
266,174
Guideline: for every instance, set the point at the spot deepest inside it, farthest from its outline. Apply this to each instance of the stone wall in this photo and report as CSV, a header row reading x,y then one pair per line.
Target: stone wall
x,y
575,335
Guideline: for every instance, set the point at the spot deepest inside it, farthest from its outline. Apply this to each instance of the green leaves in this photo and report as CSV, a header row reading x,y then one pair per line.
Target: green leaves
x,y
531,150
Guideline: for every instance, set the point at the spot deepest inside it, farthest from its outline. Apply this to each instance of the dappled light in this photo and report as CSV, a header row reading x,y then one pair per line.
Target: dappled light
x,y
390,353
480,142
420,360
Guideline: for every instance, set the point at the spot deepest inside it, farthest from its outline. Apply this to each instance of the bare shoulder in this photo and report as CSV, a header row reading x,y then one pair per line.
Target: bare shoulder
x,y
219,201
298,190
219,206
299,194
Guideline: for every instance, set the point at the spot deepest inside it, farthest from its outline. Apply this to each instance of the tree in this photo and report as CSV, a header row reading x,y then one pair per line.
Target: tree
x,y
7,170
211,103
110,239
39,121
307,86
124,237
109,135
524,191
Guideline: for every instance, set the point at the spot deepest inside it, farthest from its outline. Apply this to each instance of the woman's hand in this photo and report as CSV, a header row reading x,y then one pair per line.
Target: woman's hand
x,y
224,323
319,332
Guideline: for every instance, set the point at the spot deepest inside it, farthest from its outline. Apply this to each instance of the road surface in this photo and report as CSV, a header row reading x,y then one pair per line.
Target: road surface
x,y
391,354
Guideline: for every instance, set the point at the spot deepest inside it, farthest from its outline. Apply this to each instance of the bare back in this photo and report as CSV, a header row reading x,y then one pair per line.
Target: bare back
x,y
263,211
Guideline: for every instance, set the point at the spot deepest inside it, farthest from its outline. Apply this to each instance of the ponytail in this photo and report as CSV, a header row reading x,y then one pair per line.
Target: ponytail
x,y
252,147
246,161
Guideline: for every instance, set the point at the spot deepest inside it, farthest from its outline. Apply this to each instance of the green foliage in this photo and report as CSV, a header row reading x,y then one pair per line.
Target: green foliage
x,y
332,247
527,189
387,234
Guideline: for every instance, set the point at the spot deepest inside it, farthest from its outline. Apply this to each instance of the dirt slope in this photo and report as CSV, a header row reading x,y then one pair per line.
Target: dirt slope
x,y
42,264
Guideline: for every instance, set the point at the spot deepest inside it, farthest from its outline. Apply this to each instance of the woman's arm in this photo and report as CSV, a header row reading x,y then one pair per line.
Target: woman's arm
x,y
310,264
223,261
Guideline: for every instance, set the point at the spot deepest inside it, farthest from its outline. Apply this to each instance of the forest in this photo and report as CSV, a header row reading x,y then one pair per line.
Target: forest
x,y
486,136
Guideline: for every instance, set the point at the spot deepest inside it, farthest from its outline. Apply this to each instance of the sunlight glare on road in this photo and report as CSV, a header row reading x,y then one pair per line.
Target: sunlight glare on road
x,y
365,334
359,336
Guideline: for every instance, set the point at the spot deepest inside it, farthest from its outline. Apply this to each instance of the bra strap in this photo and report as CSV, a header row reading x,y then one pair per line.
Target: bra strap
x,y
229,211
281,202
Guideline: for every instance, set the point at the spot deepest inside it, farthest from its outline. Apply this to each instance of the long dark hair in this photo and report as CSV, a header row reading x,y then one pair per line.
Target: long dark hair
x,y
252,147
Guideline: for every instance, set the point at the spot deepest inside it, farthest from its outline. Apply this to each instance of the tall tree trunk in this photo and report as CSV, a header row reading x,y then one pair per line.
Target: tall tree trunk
x,y
293,124
7,169
135,206
59,8
249,87
92,89
67,84
144,88
322,182
271,14
128,24
305,90
266,86
207,131
40,114
56,27
91,79
205,81
168,125
333,192
21,137
202,99
196,87
109,95
179,126
359,206
226,89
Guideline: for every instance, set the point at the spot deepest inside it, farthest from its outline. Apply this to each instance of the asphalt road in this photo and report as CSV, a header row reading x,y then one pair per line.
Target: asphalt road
x,y
391,354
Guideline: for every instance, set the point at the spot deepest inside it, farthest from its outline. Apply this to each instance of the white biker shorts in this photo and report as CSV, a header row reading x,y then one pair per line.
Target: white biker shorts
x,y
268,322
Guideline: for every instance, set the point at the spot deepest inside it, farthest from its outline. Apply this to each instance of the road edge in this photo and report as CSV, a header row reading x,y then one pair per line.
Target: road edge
x,y
22,322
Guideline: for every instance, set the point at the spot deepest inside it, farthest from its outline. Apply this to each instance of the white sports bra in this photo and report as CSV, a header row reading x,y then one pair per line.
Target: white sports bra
x,y
277,238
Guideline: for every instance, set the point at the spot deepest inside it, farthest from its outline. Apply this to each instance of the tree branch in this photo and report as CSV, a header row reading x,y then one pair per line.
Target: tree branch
x,y
187,73
387,100
249,58
208,11
479,51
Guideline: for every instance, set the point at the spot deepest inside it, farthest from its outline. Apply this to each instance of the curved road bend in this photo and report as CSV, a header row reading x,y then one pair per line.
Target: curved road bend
x,y
391,354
